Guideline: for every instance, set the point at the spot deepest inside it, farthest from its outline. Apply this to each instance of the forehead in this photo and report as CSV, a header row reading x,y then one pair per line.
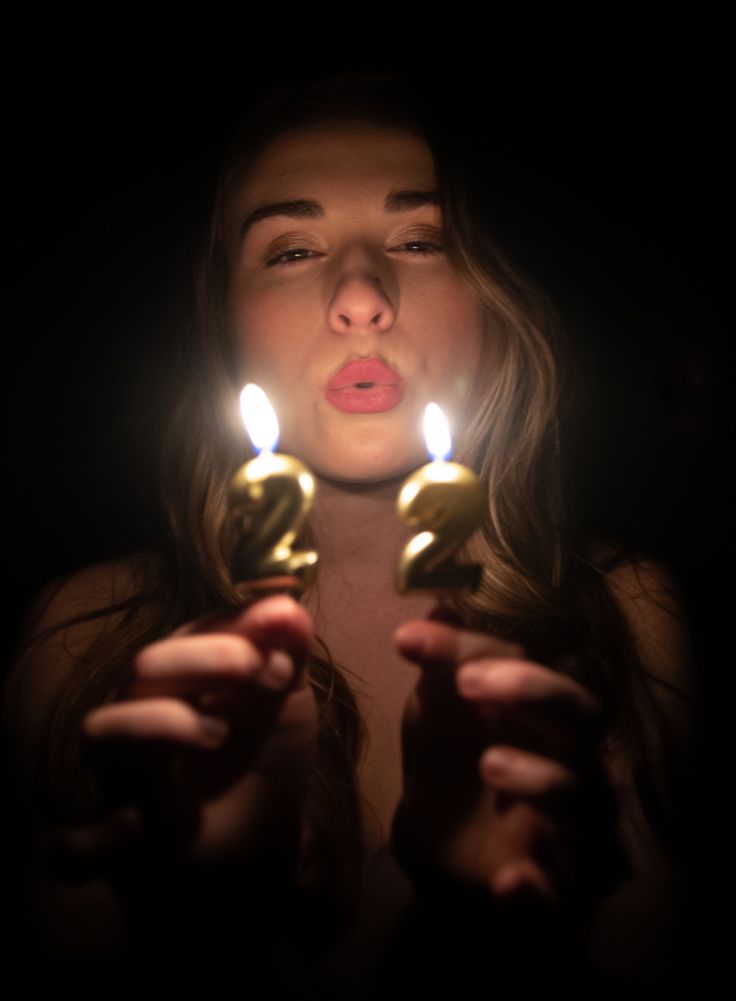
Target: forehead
x,y
337,160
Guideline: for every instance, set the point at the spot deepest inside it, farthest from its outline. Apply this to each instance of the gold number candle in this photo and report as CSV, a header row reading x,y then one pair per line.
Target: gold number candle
x,y
270,496
444,502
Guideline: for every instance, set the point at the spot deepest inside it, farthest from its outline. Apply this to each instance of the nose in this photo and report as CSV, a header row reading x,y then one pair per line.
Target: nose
x,y
360,304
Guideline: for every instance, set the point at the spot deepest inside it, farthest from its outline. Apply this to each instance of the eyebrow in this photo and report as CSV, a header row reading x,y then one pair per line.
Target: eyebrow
x,y
305,208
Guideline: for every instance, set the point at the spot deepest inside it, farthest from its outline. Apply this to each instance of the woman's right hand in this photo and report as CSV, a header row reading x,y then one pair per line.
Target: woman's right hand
x,y
208,752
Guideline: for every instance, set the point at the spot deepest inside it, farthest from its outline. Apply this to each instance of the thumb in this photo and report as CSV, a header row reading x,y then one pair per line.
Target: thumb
x,y
276,622
279,623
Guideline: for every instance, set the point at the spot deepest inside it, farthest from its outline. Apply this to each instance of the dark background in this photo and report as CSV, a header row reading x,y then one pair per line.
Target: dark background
x,y
604,149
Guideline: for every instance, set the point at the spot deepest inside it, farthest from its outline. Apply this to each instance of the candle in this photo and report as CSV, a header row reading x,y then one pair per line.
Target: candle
x,y
444,502
270,496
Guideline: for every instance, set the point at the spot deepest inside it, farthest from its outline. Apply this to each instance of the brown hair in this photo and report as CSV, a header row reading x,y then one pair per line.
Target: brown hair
x,y
539,586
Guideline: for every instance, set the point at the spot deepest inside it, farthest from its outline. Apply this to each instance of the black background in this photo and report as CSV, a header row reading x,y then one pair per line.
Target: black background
x,y
604,144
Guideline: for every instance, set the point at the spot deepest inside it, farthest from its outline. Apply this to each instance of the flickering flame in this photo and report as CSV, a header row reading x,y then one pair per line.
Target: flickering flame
x,y
436,433
259,418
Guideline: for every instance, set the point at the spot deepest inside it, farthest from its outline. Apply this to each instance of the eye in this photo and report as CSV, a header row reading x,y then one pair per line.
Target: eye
x,y
281,257
426,248
430,248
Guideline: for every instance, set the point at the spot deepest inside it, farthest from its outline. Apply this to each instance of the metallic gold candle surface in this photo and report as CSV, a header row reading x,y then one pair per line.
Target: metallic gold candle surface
x,y
270,497
444,501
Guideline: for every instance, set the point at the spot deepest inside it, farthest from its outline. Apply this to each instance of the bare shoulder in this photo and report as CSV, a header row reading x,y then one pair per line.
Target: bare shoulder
x,y
60,624
92,588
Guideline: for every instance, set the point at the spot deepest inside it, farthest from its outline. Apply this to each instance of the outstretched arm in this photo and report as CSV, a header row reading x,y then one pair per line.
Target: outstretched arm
x,y
551,820
162,861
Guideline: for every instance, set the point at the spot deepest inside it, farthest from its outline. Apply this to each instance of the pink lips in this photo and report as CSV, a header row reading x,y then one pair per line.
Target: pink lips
x,y
365,387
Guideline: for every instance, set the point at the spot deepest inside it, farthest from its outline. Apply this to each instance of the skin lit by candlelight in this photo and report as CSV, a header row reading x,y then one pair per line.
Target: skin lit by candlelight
x,y
259,418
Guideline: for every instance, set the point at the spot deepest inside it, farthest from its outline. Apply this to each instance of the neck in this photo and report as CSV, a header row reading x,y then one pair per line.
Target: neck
x,y
358,532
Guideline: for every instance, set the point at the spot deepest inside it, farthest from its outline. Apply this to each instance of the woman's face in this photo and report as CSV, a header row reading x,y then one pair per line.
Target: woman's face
x,y
345,307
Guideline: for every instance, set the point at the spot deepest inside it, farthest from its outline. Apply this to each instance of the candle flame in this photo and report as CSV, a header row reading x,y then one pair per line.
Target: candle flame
x,y
259,418
436,432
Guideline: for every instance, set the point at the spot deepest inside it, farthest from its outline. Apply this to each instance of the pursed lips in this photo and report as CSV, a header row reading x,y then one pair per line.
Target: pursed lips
x,y
364,373
365,386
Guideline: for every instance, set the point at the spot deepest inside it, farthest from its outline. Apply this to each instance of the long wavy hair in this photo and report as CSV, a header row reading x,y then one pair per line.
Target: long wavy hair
x,y
540,584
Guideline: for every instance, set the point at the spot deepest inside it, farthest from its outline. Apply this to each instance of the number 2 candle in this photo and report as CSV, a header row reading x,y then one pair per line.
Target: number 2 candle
x,y
270,496
444,502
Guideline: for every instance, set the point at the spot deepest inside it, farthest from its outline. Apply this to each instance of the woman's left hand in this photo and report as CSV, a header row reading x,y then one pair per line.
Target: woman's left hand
x,y
502,783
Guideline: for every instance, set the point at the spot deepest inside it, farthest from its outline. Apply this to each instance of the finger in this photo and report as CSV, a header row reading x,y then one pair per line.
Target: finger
x,y
83,853
277,673
167,720
280,623
542,781
276,622
424,641
516,682
522,880
183,665
529,704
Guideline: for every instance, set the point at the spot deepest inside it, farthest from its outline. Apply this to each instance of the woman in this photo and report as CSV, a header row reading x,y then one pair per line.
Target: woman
x,y
352,764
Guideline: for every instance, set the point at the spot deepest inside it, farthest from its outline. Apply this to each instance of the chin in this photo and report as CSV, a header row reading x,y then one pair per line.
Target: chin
x,y
366,469
361,451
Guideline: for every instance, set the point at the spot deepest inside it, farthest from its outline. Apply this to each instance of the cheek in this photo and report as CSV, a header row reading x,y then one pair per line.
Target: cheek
x,y
261,329
459,337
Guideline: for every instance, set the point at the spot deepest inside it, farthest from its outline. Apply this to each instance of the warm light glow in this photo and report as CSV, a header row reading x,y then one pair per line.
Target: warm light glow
x,y
259,418
436,432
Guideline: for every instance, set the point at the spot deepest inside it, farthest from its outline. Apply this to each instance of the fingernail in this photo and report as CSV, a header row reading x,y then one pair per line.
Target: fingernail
x,y
214,730
278,670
